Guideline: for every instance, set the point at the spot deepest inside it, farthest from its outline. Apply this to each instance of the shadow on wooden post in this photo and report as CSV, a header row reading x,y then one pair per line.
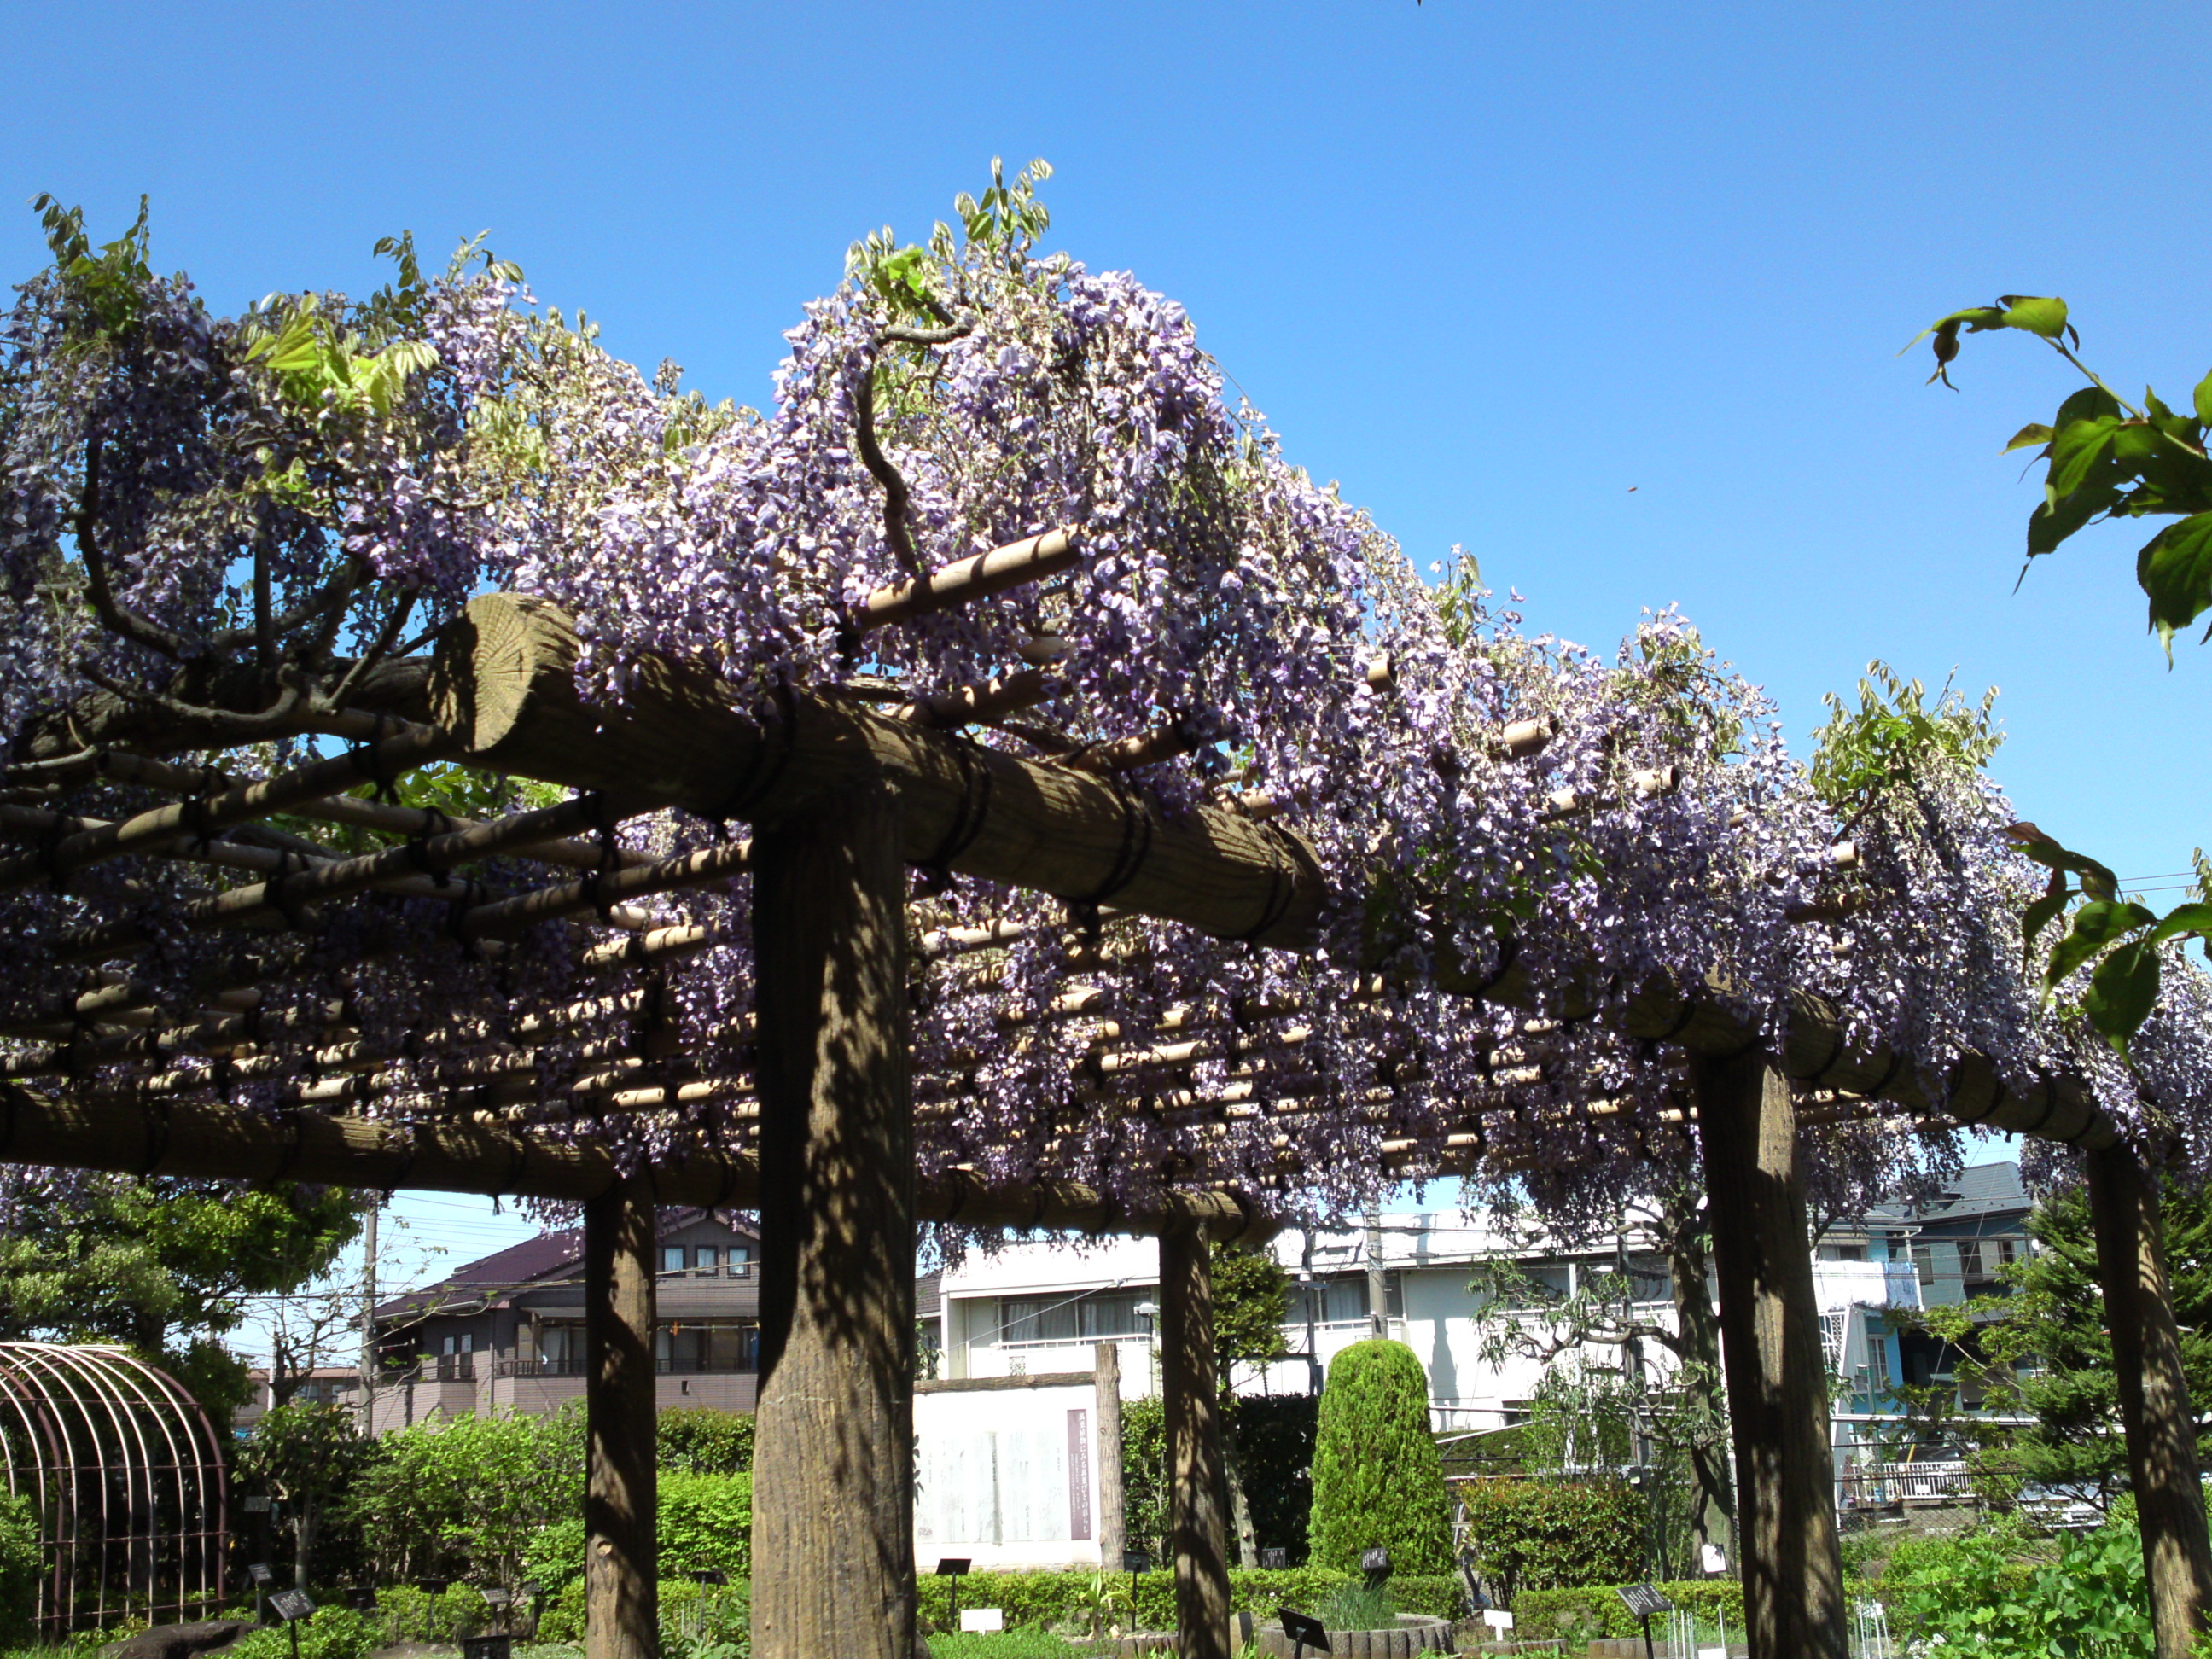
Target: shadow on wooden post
x,y
1198,1523
2155,1412
1777,1373
621,1598
833,1499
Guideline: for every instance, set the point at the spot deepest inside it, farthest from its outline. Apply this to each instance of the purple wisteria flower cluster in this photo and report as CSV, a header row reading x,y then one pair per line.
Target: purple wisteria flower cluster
x,y
1520,835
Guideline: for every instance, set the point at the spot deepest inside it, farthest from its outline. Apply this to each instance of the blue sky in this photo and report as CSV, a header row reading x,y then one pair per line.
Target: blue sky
x,y
1608,294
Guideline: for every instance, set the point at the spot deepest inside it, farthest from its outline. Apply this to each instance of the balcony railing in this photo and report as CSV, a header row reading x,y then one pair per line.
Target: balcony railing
x,y
537,1368
1875,1484
714,1367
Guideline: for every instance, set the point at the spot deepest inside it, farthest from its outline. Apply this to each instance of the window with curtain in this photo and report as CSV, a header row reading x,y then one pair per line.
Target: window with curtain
x,y
1338,1300
1092,1317
717,1346
561,1349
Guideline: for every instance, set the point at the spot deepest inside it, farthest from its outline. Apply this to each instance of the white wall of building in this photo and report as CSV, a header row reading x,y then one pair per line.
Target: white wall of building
x,y
1428,1259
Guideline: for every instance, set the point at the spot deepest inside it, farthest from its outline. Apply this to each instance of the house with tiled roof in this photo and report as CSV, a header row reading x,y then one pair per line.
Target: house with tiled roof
x,y
505,1332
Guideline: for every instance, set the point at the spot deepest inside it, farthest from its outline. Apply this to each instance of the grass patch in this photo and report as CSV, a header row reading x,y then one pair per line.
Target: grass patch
x,y
1028,1643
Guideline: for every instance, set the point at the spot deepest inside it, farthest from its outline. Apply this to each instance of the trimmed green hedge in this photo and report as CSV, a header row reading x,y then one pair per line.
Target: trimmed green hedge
x,y
703,1440
1554,1534
1047,1599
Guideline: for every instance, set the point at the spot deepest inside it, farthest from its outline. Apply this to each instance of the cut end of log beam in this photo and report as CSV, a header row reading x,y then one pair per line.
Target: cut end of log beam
x,y
1521,739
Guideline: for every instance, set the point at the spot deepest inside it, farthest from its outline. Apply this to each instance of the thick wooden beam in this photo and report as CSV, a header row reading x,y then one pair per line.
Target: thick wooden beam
x,y
833,1497
503,682
1793,1570
504,685
1113,1504
457,1155
1197,1481
622,1599
2156,1413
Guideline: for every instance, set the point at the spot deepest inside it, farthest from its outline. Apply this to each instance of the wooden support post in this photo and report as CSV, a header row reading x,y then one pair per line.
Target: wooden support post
x,y
1793,1572
1199,1525
2155,1411
833,1498
622,1599
1112,1512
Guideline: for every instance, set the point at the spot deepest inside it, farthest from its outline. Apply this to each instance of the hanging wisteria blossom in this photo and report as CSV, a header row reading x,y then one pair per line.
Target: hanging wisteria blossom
x,y
221,538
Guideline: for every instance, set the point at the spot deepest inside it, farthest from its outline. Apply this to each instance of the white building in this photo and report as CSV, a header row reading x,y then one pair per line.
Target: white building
x,y
1008,1460
1041,1308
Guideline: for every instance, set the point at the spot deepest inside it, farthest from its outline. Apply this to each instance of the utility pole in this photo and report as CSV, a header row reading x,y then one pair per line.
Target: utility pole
x,y
368,1322
1378,1291
1311,1292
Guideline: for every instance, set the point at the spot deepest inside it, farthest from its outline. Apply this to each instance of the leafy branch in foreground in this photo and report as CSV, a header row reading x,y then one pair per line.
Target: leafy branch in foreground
x,y
2122,936
2109,459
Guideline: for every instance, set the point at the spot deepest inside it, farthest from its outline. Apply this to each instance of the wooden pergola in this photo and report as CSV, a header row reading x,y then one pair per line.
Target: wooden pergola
x,y
844,793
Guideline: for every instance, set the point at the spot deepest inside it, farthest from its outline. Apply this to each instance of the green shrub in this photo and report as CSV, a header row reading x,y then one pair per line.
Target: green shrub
x,y
554,1554
1550,1534
1144,1475
332,1633
22,1564
464,1497
561,1618
1596,1610
409,1614
702,1440
1377,1477
1971,1595
706,1524
706,1621
1439,1596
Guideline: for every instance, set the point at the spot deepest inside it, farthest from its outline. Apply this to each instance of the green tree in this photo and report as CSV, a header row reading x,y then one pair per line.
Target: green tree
x,y
1376,1476
2044,1351
1686,1420
163,1266
306,1456
1250,1291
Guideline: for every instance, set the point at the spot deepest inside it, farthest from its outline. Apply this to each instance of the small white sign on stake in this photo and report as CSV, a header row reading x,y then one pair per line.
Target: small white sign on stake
x,y
1498,1617
982,1618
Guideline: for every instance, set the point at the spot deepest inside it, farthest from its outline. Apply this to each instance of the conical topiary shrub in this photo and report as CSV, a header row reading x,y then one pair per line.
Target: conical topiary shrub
x,y
1376,1476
